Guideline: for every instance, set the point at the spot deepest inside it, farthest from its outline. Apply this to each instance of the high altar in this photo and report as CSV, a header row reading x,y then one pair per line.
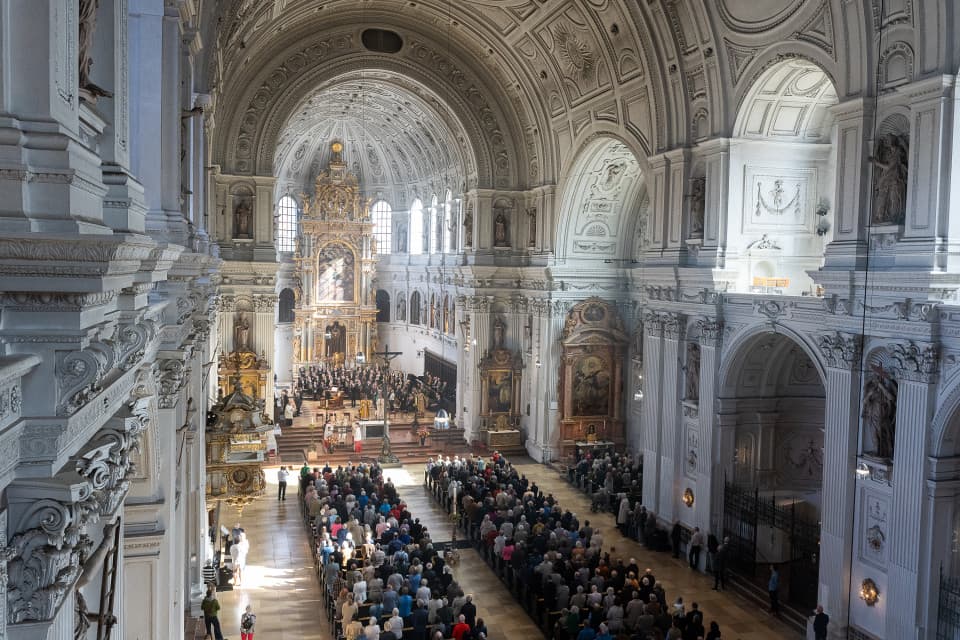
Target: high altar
x,y
591,388
335,304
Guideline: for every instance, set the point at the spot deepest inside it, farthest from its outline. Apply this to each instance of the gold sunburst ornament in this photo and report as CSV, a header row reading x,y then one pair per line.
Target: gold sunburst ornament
x,y
576,54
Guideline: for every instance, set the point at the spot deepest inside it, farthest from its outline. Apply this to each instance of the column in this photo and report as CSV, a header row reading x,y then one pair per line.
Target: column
x,y
673,330
841,420
916,377
711,337
552,361
652,403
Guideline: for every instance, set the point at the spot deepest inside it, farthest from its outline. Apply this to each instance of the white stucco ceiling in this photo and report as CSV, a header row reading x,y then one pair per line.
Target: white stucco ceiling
x,y
397,136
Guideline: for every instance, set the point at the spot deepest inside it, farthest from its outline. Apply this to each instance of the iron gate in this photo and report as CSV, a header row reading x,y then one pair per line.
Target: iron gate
x,y
948,615
745,511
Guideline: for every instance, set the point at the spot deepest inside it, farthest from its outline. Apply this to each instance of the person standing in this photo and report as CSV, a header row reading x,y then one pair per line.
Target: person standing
x,y
696,544
357,438
211,612
210,573
247,623
720,565
288,411
773,588
238,555
282,476
820,622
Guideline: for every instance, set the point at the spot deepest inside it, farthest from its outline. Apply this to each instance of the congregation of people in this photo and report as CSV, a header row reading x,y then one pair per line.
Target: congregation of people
x,y
382,576
579,586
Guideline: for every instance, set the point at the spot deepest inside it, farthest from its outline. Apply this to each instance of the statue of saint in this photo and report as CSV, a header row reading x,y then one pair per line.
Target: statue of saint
x,y
890,180
241,334
242,219
402,238
880,410
498,328
692,386
532,219
468,230
87,23
500,231
698,195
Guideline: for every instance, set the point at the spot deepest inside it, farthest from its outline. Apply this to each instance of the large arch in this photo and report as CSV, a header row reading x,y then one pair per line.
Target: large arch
x,y
600,194
772,394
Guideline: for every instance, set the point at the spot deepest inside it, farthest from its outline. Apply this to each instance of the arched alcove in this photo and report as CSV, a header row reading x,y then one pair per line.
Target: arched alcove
x,y
285,306
600,201
773,392
781,180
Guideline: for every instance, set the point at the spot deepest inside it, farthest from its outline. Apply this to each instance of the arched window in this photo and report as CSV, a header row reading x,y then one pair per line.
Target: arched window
x,y
382,231
287,212
285,306
415,307
448,236
436,225
416,228
383,306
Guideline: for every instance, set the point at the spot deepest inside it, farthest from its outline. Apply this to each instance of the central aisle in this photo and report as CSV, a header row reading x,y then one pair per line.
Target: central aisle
x,y
281,583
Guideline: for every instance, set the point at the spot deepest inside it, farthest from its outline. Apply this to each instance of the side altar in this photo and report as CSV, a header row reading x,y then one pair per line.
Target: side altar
x,y
501,373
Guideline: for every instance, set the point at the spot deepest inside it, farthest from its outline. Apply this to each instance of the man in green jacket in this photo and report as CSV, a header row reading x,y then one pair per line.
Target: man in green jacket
x,y
211,609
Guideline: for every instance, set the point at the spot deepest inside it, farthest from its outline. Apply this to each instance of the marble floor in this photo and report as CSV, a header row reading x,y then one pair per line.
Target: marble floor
x,y
281,585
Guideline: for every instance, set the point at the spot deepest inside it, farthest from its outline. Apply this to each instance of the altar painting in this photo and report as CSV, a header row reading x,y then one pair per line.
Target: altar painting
x,y
335,274
591,387
500,391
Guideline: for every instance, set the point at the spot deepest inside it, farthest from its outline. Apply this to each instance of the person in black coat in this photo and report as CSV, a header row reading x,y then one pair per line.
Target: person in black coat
x,y
675,535
469,611
419,619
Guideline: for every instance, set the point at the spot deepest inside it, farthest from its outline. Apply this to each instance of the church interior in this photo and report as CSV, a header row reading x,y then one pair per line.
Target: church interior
x,y
543,314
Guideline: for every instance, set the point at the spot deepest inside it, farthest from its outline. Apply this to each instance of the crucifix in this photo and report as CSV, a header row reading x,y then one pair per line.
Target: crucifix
x,y
387,355
386,452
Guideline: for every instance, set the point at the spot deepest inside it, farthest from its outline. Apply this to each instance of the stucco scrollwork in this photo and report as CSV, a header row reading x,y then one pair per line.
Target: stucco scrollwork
x,y
79,377
840,350
916,362
711,332
173,376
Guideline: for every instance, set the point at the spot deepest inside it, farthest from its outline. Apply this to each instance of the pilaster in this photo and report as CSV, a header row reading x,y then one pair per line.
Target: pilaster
x,y
916,374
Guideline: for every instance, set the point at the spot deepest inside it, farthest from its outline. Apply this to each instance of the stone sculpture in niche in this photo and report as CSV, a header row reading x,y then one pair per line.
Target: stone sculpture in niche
x,y
402,238
500,231
698,194
880,411
241,334
532,217
498,332
468,229
692,386
890,180
242,218
87,22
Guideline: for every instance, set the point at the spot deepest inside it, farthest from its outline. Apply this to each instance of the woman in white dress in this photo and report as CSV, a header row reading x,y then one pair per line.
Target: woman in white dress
x,y
238,556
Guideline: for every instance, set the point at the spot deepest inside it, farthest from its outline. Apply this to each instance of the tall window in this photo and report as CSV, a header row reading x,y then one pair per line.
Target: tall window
x,y
287,224
448,223
436,226
382,231
416,228
287,302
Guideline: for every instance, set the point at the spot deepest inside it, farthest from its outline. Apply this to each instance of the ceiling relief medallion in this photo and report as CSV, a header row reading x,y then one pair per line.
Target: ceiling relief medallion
x,y
576,54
